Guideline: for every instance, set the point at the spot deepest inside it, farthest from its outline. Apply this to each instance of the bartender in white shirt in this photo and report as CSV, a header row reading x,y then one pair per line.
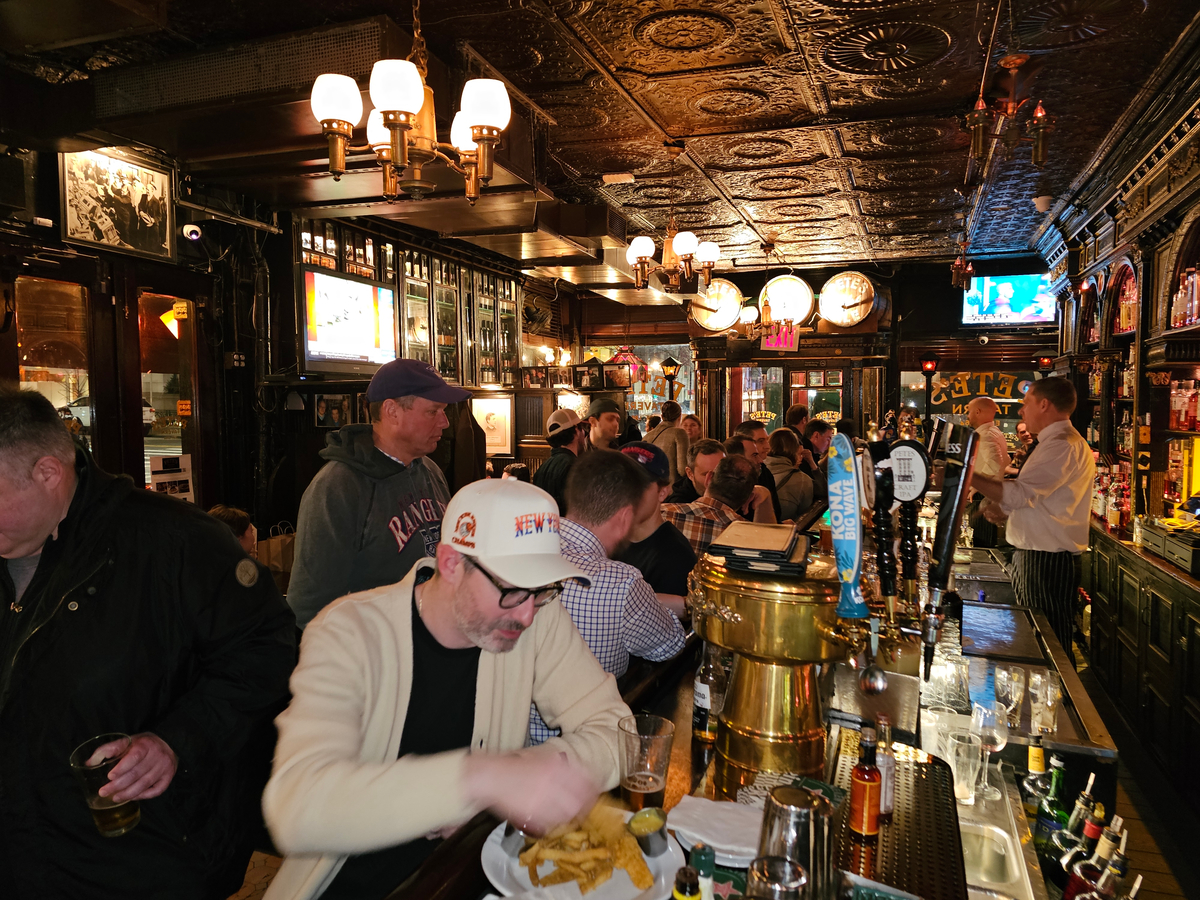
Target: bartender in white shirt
x,y
1047,507
991,459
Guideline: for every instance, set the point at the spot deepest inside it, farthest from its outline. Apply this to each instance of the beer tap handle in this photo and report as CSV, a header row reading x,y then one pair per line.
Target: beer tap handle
x,y
910,480
882,524
936,433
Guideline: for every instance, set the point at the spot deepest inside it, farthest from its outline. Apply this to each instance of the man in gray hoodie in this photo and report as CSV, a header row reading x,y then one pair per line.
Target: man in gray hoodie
x,y
376,507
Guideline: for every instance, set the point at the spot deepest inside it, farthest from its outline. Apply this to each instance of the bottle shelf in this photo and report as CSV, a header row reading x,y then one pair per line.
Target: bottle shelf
x,y
1180,434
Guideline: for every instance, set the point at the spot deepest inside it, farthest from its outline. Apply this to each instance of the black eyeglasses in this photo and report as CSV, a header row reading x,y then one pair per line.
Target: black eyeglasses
x,y
511,598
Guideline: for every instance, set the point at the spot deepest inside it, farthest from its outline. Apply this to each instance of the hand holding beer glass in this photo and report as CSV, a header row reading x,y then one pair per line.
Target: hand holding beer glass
x,y
645,756
91,763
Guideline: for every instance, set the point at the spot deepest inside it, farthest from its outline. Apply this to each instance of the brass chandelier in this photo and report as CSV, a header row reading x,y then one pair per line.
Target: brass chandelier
x,y
402,128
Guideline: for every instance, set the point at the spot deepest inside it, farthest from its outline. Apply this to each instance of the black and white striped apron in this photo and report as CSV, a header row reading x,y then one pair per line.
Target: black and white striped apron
x,y
1049,582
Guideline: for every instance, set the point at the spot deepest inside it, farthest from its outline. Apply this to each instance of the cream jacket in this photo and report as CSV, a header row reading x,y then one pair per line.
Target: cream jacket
x,y
337,787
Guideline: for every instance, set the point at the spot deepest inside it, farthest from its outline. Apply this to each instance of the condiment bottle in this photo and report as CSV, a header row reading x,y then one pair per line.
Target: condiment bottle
x,y
704,860
687,884
865,784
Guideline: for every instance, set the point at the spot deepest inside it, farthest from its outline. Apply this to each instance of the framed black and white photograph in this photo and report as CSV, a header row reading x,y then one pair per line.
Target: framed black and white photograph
x,y
494,415
117,201
589,376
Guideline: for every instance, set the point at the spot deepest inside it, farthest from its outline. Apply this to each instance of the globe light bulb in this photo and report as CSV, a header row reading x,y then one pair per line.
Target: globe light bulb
x,y
377,133
336,98
685,243
641,248
485,101
460,133
708,252
396,86
748,314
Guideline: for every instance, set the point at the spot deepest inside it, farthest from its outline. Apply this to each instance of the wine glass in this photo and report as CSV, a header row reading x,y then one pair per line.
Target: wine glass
x,y
1010,690
990,722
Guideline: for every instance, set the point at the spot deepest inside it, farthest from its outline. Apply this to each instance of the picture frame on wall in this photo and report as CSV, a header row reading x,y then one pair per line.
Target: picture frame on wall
x,y
617,377
589,376
535,377
332,410
119,201
362,412
816,379
833,378
562,377
495,417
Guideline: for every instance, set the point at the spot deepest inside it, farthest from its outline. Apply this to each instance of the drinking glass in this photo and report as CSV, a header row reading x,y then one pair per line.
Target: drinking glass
x,y
964,749
1010,690
958,681
798,825
645,756
1045,691
1048,722
90,763
990,722
775,878
941,721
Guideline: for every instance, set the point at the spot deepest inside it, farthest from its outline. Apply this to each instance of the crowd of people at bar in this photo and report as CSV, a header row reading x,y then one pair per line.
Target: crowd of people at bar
x,y
395,693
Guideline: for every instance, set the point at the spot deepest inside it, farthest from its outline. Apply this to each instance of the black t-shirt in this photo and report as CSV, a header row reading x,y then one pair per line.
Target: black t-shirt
x,y
441,717
664,559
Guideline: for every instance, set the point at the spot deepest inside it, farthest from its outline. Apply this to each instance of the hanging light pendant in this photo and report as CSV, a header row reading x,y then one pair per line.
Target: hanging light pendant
x,y
337,104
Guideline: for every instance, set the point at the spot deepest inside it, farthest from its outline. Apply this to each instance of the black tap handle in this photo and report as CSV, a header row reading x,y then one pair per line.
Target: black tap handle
x,y
909,526
882,518
934,439
960,462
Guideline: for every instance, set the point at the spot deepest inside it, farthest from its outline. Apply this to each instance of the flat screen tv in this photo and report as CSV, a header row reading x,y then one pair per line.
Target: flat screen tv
x,y
1009,300
349,323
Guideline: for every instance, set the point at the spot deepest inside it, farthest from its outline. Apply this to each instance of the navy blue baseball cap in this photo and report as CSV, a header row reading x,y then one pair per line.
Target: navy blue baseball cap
x,y
652,458
412,378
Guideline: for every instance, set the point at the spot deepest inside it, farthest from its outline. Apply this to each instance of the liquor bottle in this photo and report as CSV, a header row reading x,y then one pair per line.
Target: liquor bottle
x,y
703,859
1075,849
1059,842
709,695
1051,812
885,761
1036,784
1086,872
865,782
687,884
1118,868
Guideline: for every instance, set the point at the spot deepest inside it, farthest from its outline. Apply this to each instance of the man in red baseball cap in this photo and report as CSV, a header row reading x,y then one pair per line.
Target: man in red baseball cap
x,y
376,508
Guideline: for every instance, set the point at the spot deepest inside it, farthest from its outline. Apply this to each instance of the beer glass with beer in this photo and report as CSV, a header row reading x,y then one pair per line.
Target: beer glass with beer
x,y
645,757
91,768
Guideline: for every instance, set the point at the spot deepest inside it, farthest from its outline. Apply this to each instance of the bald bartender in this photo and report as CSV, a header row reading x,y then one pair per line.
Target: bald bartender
x,y
1047,507
991,459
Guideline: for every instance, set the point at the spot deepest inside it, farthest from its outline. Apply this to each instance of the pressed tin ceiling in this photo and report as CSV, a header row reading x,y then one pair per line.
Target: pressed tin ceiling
x,y
830,126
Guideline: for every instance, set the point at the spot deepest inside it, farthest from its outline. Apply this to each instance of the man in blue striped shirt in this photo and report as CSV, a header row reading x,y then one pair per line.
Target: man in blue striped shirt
x,y
618,614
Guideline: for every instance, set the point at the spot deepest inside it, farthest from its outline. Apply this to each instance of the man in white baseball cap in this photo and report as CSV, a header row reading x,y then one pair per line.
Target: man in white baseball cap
x,y
411,705
567,436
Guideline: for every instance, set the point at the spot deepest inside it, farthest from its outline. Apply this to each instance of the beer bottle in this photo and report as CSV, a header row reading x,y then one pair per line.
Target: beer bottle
x,y
687,884
709,695
1051,812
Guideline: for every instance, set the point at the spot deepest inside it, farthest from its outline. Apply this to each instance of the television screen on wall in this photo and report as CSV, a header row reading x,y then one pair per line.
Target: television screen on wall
x,y
349,323
1009,300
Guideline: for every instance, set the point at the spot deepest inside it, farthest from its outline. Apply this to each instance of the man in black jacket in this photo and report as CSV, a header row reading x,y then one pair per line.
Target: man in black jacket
x,y
123,610
567,435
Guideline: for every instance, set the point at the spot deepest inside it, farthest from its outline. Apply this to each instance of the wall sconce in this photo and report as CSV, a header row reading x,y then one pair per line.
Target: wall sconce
x,y
337,105
681,251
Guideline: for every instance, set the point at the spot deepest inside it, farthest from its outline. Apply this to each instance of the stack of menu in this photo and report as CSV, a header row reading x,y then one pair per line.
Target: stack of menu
x,y
751,547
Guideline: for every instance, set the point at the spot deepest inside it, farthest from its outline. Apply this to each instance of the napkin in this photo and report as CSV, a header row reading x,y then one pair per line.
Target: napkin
x,y
731,829
568,890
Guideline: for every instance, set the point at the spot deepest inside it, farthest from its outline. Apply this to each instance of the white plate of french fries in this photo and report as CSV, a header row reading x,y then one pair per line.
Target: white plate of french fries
x,y
599,854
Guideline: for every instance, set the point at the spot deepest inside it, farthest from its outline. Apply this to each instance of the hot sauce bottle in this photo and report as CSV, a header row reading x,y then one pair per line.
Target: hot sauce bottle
x,y
865,786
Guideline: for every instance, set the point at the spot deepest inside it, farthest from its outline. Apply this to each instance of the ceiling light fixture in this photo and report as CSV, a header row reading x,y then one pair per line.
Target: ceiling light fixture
x,y
681,251
402,128
962,270
1002,114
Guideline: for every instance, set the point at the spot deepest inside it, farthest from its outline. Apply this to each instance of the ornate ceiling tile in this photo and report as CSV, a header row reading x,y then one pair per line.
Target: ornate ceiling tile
x,y
886,48
648,39
683,187
526,47
785,147
595,159
1050,24
753,99
940,225
902,137
911,172
911,202
587,115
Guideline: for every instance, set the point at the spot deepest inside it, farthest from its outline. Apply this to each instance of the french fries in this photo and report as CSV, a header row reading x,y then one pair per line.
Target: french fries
x,y
587,852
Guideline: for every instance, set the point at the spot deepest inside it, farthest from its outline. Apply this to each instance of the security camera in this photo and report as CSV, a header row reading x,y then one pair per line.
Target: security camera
x,y
192,232
983,339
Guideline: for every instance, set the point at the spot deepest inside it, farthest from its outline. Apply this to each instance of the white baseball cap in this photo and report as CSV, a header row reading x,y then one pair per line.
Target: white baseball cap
x,y
511,528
